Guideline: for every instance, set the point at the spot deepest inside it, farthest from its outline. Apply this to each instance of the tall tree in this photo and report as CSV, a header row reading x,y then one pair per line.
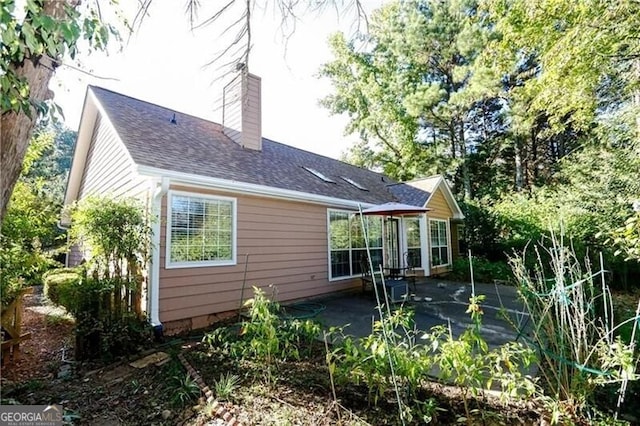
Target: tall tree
x,y
413,92
586,55
35,38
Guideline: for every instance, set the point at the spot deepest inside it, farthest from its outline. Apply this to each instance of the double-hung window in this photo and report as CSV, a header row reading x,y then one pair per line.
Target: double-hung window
x,y
347,248
201,230
439,242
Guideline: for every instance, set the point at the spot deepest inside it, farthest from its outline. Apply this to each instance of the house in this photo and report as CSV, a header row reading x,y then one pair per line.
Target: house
x,y
238,209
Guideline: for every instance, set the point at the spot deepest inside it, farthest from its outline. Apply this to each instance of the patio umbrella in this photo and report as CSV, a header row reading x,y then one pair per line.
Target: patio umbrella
x,y
394,209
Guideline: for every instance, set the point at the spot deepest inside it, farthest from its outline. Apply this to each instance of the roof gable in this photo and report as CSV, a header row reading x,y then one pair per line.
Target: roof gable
x,y
430,185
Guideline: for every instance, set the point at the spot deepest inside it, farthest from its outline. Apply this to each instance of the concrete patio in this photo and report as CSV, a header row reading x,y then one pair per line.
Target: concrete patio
x,y
436,302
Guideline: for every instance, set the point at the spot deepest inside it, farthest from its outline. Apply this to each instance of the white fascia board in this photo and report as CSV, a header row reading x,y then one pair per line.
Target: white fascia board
x,y
448,195
248,188
81,149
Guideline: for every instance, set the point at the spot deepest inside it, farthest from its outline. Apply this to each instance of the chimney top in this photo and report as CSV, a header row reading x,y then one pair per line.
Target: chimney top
x,y
242,110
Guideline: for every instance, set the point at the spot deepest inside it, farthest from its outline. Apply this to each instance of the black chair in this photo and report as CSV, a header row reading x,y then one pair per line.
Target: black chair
x,y
410,273
367,278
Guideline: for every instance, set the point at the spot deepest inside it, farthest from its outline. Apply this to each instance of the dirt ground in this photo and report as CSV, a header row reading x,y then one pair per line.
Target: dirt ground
x,y
50,344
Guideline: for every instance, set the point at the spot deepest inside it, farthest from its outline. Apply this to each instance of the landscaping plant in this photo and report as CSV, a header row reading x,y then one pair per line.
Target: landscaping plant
x,y
106,300
466,362
572,327
265,336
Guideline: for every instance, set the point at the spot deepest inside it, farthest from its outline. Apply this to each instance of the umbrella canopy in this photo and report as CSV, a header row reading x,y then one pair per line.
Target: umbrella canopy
x,y
394,209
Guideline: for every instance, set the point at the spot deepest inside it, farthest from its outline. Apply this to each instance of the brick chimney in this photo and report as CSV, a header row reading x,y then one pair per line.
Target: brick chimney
x,y
241,110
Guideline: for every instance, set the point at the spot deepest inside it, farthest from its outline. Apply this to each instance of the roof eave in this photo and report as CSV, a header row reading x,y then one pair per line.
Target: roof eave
x,y
248,188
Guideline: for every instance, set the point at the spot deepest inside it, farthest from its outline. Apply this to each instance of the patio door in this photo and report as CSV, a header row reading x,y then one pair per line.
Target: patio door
x,y
392,242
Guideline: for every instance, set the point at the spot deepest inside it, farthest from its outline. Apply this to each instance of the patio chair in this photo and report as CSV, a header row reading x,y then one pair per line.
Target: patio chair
x,y
367,278
410,273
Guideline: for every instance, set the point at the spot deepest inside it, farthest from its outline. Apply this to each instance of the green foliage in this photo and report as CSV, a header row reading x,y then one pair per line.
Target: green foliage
x,y
265,336
116,231
52,167
484,271
582,49
32,32
59,285
412,92
572,326
226,385
627,237
106,302
395,348
184,390
29,234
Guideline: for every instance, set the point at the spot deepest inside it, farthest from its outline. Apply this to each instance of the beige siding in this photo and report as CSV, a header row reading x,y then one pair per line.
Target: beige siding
x,y
439,207
439,210
109,169
287,247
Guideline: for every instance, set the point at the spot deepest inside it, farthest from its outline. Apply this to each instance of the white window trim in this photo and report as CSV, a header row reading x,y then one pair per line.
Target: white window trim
x,y
345,277
448,228
199,264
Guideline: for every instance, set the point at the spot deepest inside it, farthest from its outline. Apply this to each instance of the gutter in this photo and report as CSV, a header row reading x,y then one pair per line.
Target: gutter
x,y
238,187
153,302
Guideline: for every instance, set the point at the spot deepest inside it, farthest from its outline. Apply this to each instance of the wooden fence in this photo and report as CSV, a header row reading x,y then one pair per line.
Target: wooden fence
x,y
11,327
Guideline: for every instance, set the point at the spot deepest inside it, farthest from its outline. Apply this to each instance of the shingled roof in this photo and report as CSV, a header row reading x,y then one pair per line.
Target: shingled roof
x,y
194,145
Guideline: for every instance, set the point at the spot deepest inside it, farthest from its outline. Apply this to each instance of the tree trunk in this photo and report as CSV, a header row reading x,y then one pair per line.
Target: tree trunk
x,y
16,128
519,179
466,179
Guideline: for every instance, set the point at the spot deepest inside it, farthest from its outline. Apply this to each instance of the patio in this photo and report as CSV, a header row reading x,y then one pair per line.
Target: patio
x,y
436,302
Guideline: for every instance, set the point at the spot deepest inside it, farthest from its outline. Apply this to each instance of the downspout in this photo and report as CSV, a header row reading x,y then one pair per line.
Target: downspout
x,y
153,300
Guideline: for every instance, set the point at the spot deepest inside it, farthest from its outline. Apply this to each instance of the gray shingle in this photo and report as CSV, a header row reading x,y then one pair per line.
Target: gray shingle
x,y
197,146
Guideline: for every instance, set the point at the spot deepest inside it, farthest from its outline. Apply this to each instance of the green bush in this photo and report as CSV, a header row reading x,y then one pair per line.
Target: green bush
x,y
107,301
484,271
58,285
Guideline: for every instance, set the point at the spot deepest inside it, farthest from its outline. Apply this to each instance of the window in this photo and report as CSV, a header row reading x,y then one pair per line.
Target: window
x,y
439,242
200,230
347,248
319,175
414,252
354,183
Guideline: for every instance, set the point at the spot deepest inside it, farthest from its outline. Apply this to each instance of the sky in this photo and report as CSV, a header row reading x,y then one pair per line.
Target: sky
x,y
163,63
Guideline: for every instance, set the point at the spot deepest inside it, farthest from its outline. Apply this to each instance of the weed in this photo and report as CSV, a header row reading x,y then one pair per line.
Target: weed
x,y
265,337
185,390
226,385
572,328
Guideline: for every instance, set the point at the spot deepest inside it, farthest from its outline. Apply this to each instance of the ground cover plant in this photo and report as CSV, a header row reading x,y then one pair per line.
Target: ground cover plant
x,y
384,378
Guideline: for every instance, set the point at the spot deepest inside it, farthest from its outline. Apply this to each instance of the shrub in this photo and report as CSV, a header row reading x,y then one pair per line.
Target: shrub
x,y
106,301
484,271
58,285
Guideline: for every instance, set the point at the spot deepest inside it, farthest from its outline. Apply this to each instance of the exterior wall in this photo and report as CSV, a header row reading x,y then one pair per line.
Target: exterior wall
x,y
287,247
109,170
439,210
